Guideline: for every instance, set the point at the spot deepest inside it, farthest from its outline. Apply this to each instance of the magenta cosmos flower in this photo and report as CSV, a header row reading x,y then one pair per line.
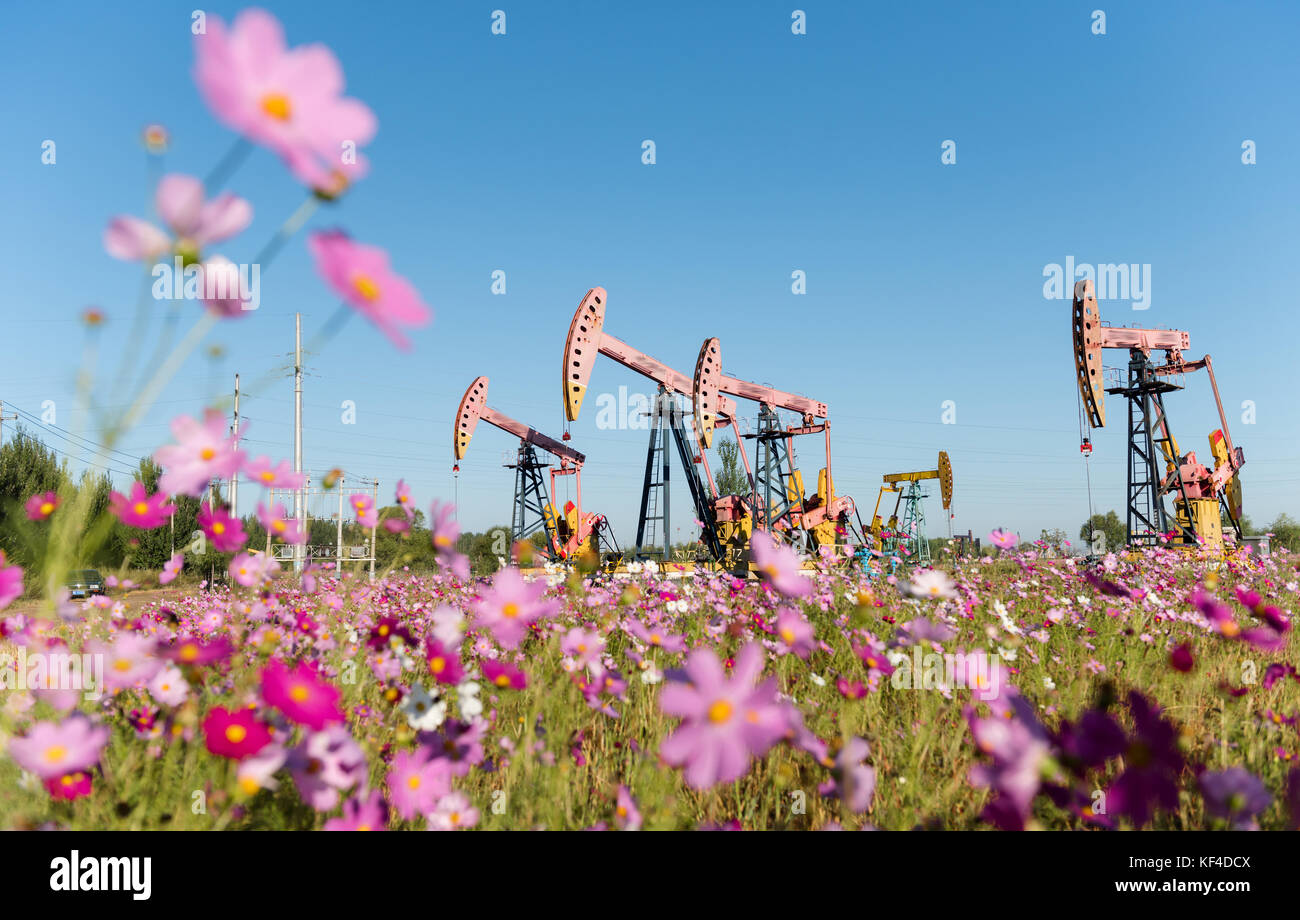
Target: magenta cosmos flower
x,y
361,275
288,99
139,508
204,451
778,565
444,664
171,568
511,605
301,694
367,811
41,505
504,676
724,721
51,750
194,223
1004,539
225,532
235,734
11,582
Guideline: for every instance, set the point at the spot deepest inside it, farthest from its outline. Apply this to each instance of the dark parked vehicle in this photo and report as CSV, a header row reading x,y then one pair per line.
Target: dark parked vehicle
x,y
85,582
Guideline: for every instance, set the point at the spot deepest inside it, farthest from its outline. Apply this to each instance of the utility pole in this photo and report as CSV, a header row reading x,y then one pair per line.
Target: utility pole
x,y
300,499
338,552
374,491
234,477
2,421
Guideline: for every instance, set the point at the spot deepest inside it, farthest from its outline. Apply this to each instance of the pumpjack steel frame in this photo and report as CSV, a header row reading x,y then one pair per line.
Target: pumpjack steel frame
x,y
1150,439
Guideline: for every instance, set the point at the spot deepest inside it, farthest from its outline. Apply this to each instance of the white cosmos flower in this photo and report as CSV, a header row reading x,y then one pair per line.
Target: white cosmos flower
x,y
424,711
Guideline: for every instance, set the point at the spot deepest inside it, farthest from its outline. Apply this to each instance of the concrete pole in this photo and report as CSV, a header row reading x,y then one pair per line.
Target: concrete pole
x,y
338,553
300,499
234,478
375,500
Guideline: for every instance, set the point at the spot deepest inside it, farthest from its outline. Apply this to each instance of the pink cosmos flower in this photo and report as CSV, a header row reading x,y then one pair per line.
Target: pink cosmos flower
x,y
583,646
52,750
363,506
404,500
301,694
203,452
724,721
326,763
171,568
778,565
11,582
627,817
416,782
140,509
274,476
657,637
511,605
361,275
444,532
795,633
168,687
1004,539
193,222
367,811
246,570
236,735
41,505
290,100
279,525
128,663
225,532
454,812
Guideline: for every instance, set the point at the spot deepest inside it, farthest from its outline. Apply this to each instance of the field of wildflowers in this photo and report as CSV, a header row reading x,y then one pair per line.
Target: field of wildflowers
x,y
1018,692
1026,690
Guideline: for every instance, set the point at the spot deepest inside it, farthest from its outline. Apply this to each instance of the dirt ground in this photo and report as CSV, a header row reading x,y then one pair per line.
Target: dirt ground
x,y
133,599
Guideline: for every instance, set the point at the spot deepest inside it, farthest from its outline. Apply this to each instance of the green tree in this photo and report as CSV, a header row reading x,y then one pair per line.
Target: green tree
x,y
1109,526
731,478
1286,532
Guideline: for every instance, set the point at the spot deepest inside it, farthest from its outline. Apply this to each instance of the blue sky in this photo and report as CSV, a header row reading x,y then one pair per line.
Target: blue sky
x,y
775,153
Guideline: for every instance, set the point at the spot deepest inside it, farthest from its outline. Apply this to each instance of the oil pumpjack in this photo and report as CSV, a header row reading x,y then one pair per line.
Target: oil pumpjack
x,y
1198,492
568,536
907,538
776,487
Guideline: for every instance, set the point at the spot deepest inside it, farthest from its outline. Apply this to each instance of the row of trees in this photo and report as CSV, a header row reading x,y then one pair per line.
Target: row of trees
x,y
1285,530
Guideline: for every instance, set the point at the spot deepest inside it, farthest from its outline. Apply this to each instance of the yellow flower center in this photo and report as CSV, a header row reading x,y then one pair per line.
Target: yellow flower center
x,y
189,653
366,287
248,785
437,665
122,665
510,610
277,106
236,733
502,680
55,754
442,540
218,528
47,508
141,507
413,782
207,453
267,475
720,712
788,635
299,693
